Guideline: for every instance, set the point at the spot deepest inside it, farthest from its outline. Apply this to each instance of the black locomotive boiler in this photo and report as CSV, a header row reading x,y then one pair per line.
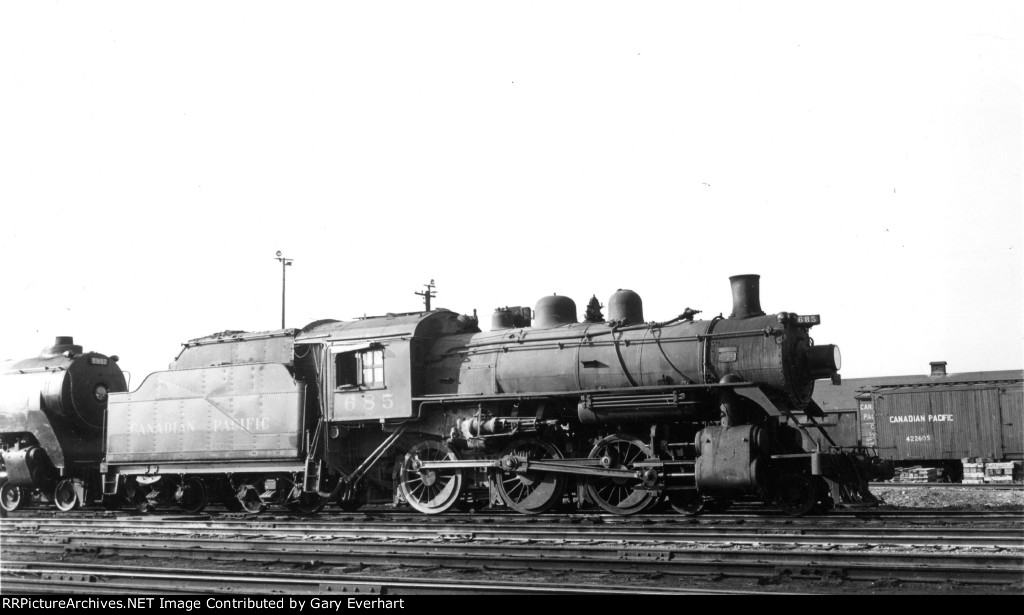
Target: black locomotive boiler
x,y
542,410
52,411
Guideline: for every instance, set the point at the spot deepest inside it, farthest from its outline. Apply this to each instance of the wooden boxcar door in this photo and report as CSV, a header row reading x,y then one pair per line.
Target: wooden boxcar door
x,y
1011,415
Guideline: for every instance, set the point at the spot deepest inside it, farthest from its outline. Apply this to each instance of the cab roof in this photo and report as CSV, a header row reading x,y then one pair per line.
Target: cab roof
x,y
431,324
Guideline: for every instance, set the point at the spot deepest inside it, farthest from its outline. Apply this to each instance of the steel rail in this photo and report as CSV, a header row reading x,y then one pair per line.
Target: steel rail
x,y
738,511
913,535
655,559
982,486
940,519
69,577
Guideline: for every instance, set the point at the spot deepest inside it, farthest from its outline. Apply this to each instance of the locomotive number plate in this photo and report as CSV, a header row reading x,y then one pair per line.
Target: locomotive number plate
x,y
369,402
727,354
98,361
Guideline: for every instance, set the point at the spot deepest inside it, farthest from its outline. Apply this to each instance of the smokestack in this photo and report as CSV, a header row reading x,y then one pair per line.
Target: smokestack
x,y
62,344
938,369
746,296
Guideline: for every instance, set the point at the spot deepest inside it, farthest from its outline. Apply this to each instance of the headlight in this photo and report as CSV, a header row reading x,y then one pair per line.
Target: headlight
x,y
823,361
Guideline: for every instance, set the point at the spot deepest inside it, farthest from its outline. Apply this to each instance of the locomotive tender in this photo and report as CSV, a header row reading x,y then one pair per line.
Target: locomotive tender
x,y
52,409
426,409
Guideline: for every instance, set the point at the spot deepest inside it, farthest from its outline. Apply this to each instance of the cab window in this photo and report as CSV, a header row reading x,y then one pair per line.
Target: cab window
x,y
359,369
345,373
372,363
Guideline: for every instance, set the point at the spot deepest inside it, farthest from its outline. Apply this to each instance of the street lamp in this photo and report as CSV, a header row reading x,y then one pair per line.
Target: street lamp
x,y
285,262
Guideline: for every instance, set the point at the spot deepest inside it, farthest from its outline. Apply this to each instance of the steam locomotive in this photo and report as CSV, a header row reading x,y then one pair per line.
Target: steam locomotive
x,y
540,412
52,409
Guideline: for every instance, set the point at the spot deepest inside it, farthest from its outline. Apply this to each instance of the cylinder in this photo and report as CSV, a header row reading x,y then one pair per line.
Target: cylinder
x,y
28,467
746,296
554,311
626,306
728,462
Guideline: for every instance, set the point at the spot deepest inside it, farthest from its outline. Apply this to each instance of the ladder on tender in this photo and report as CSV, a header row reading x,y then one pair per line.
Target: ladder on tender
x,y
311,475
314,465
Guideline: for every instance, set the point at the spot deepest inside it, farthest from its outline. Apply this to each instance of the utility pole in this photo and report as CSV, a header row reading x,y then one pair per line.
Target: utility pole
x,y
427,294
285,262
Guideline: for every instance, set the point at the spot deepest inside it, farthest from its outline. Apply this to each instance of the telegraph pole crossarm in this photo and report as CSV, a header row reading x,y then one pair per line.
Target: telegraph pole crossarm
x,y
427,294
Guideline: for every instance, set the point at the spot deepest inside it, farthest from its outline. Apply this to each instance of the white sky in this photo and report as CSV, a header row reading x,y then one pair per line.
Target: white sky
x,y
864,158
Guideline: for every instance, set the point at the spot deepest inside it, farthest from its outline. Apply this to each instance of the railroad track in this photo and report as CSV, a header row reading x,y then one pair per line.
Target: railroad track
x,y
92,579
542,529
992,566
737,514
983,486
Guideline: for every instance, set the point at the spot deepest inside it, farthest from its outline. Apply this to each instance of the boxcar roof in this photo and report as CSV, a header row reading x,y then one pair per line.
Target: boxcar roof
x,y
843,397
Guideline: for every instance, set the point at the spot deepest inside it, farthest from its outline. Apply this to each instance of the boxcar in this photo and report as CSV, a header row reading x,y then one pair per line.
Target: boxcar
x,y
946,421
930,420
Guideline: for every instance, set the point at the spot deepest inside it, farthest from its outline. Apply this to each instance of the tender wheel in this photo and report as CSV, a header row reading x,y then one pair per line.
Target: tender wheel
x,y
307,504
147,493
532,492
65,496
621,496
687,502
142,503
352,499
193,495
248,497
430,491
12,498
797,495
